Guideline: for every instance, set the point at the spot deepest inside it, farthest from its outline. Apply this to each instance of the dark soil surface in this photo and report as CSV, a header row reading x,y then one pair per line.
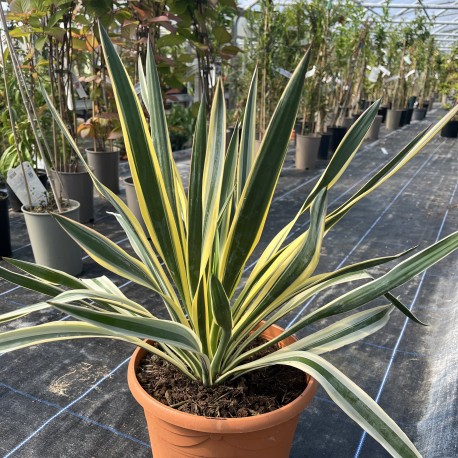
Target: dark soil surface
x,y
251,394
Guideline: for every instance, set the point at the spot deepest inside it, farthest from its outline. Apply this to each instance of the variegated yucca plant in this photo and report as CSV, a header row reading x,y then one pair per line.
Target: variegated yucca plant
x,y
200,244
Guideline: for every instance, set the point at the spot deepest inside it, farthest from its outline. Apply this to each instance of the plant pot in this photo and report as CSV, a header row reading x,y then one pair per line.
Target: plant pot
x,y
382,112
14,202
307,151
78,186
325,144
426,106
374,130
179,435
51,245
338,133
418,114
392,119
5,237
348,122
132,201
105,165
450,130
402,119
409,113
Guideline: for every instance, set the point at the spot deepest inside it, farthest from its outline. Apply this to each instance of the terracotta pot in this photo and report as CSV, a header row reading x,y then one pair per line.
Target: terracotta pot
x,y
179,435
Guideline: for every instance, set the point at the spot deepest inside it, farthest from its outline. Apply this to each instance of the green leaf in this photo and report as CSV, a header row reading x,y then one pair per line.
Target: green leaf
x,y
163,331
23,311
49,275
170,40
222,35
213,174
247,153
107,253
348,396
397,276
344,332
258,193
199,149
29,282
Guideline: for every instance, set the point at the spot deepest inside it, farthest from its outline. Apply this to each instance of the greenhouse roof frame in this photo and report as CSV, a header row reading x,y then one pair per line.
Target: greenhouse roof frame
x,y
442,15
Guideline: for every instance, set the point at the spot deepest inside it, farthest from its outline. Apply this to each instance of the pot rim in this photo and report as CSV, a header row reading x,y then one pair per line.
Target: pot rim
x,y
128,183
114,149
213,424
73,206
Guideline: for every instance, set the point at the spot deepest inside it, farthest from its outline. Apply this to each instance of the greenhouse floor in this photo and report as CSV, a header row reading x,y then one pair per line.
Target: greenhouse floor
x,y
68,400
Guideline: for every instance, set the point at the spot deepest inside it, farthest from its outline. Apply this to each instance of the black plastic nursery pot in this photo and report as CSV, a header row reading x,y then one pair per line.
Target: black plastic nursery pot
x,y
5,236
409,113
450,130
338,133
382,112
325,145
402,120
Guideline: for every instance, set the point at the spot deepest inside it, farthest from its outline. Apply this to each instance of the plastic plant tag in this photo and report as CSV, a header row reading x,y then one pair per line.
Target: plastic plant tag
x,y
373,76
15,179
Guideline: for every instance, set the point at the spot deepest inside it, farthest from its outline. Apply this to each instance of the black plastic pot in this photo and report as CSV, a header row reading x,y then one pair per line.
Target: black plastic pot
x,y
382,112
325,144
402,121
450,130
5,238
409,115
338,133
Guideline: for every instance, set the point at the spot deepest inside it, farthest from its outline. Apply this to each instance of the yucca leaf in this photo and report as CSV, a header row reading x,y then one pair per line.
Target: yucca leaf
x,y
259,189
344,332
228,186
166,231
301,264
160,134
345,152
247,153
107,253
223,318
397,276
23,311
49,275
29,282
163,331
213,174
48,332
121,304
199,149
346,394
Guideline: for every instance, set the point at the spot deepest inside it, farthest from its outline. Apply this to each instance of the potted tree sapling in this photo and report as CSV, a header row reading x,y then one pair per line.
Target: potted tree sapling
x,y
219,327
51,245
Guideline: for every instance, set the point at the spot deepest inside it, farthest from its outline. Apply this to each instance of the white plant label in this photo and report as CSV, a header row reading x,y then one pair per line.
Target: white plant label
x,y
373,75
15,179
82,94
407,60
410,73
384,70
311,72
284,72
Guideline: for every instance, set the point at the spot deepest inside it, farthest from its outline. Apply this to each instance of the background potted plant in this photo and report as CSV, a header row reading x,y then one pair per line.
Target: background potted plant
x,y
211,332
